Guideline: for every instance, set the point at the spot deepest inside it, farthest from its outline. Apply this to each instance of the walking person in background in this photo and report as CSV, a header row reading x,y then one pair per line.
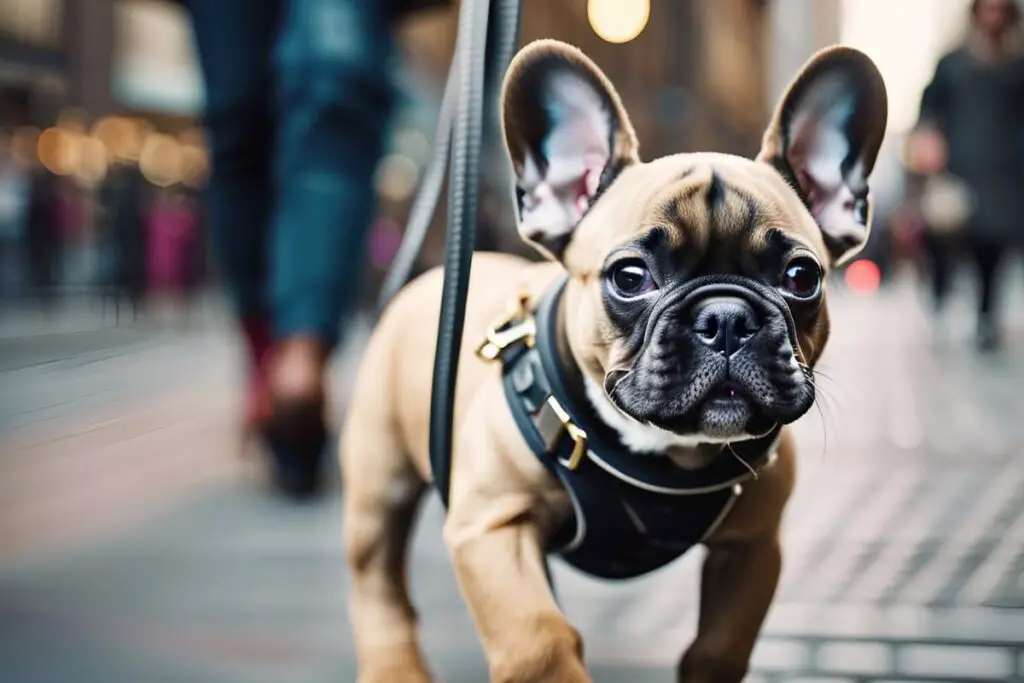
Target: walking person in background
x,y
972,129
42,243
298,96
124,232
14,194
171,233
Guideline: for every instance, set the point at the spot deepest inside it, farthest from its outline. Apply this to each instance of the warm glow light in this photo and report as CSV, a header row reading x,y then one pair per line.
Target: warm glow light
x,y
192,136
195,165
57,150
118,135
618,21
195,160
161,160
863,276
91,161
396,177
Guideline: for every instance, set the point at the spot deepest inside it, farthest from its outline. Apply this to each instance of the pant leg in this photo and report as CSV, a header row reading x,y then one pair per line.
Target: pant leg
x,y
333,65
234,40
940,266
987,259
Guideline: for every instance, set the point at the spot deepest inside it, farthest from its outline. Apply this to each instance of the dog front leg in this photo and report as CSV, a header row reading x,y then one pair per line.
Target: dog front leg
x,y
502,499
502,576
737,586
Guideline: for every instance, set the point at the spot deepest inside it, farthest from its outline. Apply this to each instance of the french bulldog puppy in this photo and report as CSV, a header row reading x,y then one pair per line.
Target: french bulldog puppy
x,y
691,313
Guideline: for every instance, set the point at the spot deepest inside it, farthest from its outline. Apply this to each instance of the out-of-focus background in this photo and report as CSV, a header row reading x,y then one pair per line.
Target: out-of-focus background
x,y
137,545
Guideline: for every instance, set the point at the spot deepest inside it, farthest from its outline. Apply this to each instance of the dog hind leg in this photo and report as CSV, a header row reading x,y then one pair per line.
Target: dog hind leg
x,y
381,498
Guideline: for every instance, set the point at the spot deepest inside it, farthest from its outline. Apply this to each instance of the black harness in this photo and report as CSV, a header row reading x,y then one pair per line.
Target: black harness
x,y
633,513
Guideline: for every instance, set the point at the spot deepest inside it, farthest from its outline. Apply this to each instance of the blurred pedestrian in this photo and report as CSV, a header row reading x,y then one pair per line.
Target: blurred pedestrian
x,y
298,97
14,196
124,233
42,239
171,233
971,131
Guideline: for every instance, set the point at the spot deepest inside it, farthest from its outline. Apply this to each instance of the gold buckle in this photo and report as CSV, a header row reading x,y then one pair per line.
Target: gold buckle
x,y
578,436
503,333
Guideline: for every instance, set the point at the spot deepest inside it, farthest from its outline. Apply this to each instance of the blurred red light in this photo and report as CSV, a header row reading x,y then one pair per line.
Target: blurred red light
x,y
863,276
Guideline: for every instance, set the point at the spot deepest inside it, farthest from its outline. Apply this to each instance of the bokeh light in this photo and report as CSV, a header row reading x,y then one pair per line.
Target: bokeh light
x,y
195,161
397,176
618,21
57,149
161,161
91,161
119,135
863,276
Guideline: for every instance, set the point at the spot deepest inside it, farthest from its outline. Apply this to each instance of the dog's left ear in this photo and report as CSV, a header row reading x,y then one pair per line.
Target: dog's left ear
x,y
825,136
567,135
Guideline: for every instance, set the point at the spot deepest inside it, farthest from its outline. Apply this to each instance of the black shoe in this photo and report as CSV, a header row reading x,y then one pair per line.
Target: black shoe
x,y
297,438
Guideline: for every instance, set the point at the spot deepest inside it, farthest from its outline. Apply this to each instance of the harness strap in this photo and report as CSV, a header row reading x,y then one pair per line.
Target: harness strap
x,y
632,513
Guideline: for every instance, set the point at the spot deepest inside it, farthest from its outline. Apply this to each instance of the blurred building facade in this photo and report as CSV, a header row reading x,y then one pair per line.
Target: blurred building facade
x,y
103,56
692,78
114,85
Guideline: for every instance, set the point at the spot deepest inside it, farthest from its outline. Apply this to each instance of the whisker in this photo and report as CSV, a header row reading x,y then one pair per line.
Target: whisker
x,y
835,383
824,403
824,430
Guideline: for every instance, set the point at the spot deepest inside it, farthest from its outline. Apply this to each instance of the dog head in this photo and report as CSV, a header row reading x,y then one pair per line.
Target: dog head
x,y
696,306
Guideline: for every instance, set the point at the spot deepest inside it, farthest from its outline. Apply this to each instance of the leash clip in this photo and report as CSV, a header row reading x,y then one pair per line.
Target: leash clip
x,y
514,327
578,436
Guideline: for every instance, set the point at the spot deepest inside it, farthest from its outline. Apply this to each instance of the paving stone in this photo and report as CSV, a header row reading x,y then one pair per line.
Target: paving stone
x,y
855,658
968,661
773,654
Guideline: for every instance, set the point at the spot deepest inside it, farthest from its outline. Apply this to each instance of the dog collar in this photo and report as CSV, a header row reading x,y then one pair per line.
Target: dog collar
x,y
647,510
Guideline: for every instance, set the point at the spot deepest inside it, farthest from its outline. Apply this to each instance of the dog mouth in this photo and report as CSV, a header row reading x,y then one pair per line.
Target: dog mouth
x,y
727,411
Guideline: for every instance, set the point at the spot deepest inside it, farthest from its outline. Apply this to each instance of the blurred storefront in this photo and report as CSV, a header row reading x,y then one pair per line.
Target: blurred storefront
x,y
34,60
690,73
98,107
103,56
154,71
102,89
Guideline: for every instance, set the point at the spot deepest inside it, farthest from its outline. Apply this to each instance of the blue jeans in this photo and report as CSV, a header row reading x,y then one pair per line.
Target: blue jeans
x,y
298,96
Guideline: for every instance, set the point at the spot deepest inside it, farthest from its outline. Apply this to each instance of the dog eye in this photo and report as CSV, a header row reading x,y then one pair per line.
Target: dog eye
x,y
632,278
802,278
860,210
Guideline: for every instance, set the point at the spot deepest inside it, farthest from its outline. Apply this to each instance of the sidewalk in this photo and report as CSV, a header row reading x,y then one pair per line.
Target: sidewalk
x,y
140,548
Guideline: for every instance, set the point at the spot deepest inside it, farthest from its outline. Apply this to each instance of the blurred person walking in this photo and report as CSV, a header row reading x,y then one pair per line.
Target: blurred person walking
x,y
15,183
171,233
124,234
43,239
298,97
971,130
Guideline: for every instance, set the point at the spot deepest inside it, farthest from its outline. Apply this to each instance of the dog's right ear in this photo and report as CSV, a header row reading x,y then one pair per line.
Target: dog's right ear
x,y
568,137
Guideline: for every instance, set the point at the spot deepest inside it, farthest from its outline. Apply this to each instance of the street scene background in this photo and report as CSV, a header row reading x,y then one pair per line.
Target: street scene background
x,y
139,540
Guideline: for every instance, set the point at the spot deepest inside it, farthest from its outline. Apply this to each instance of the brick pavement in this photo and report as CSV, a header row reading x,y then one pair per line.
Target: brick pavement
x,y
904,544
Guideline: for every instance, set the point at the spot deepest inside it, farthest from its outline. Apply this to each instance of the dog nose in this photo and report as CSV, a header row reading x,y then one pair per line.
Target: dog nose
x,y
724,323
